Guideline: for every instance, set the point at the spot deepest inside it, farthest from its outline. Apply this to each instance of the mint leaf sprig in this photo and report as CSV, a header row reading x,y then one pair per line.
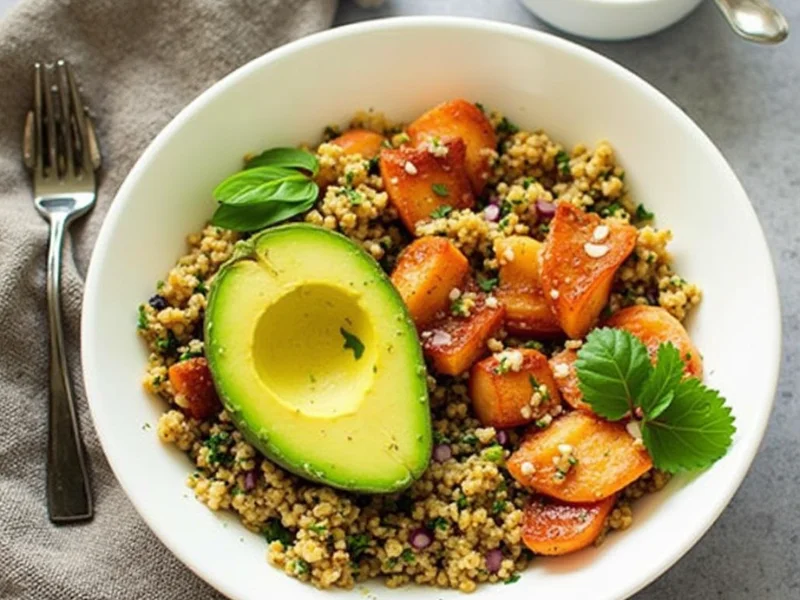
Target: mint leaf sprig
x,y
684,424
274,186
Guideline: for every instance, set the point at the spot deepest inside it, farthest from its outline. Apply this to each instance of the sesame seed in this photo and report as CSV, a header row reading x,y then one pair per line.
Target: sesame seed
x,y
565,448
527,468
554,294
508,254
394,180
525,411
600,233
561,370
455,294
491,302
410,168
595,250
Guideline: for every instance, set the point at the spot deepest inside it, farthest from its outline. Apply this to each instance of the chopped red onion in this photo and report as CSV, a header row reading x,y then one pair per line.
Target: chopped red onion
x,y
491,213
494,559
250,479
442,452
421,538
502,437
545,209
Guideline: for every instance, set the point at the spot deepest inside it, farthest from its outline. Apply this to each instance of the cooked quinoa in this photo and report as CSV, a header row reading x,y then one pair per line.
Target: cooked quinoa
x,y
468,501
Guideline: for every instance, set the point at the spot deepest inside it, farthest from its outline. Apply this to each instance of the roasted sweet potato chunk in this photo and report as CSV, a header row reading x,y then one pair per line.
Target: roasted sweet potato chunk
x,y
453,343
606,459
418,181
520,288
426,272
360,141
553,528
460,119
504,397
579,259
654,326
191,379
563,366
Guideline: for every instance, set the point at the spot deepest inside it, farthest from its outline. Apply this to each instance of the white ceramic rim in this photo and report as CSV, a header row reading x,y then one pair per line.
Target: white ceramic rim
x,y
170,538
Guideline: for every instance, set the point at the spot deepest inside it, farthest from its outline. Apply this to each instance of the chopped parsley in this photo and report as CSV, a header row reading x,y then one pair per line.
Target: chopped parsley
x,y
200,288
458,308
357,545
440,189
301,567
373,165
442,211
480,107
642,214
216,454
167,344
439,438
506,127
439,523
469,438
353,196
273,531
498,506
528,182
487,284
462,502
408,556
493,453
351,342
318,529
189,354
562,161
534,345
513,579
141,321
611,210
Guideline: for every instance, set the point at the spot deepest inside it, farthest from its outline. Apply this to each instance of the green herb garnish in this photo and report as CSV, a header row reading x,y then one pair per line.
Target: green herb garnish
x,y
273,531
318,529
216,454
684,425
301,567
440,189
506,127
513,579
408,556
141,321
611,210
441,212
439,523
642,214
357,545
351,342
493,453
274,186
562,161
189,354
498,506
487,284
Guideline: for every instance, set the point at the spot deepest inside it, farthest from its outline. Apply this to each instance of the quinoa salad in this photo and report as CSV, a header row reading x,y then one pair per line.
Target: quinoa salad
x,y
462,521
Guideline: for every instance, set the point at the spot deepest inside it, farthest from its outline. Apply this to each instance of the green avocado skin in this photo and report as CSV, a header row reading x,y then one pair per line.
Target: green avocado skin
x,y
372,433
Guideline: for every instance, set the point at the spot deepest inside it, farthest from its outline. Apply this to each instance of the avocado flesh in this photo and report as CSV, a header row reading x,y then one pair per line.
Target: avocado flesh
x,y
275,343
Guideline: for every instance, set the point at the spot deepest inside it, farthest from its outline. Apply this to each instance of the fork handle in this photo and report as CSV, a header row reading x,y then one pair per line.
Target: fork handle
x,y
68,494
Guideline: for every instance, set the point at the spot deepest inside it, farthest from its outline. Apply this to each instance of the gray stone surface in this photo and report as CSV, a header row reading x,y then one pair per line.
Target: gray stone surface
x,y
747,99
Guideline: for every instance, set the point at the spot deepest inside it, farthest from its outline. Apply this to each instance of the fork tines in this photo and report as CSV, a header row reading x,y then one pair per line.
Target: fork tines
x,y
59,138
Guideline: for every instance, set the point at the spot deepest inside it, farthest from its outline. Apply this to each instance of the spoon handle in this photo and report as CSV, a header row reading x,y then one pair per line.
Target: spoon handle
x,y
755,20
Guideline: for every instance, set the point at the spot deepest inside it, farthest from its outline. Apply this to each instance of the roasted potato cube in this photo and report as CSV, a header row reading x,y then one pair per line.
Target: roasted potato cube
x,y
563,366
460,119
552,527
579,259
360,141
452,343
520,288
508,397
426,272
604,458
192,382
654,326
419,182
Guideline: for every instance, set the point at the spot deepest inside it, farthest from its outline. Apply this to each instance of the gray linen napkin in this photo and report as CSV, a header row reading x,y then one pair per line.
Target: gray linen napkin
x,y
139,62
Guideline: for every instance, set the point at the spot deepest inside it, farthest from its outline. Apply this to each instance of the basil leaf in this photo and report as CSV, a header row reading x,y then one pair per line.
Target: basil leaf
x,y
695,430
292,158
612,367
251,217
255,185
668,372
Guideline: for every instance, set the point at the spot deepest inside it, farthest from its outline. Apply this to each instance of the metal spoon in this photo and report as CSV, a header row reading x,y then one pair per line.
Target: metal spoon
x,y
755,20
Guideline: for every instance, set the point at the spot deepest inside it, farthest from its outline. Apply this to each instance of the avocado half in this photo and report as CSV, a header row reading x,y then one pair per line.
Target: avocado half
x,y
317,360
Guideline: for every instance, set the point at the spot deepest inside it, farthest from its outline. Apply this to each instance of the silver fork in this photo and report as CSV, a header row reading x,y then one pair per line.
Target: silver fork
x,y
60,148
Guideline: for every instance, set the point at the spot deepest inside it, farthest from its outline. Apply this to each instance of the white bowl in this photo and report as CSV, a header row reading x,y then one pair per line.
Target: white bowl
x,y
611,19
404,66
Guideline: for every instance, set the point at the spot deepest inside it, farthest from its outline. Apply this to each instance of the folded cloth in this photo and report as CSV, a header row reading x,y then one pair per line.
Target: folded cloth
x,y
138,62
